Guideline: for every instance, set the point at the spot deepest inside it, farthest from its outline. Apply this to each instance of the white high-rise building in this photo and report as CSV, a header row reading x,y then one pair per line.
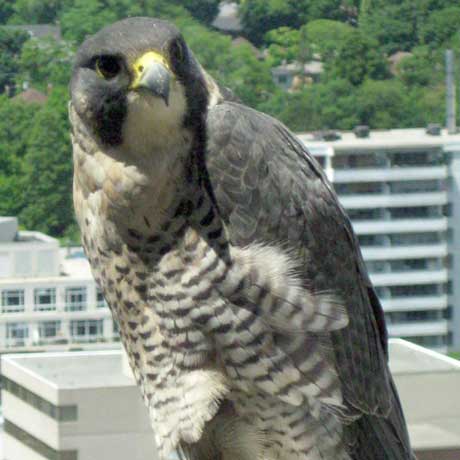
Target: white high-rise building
x,y
401,190
48,297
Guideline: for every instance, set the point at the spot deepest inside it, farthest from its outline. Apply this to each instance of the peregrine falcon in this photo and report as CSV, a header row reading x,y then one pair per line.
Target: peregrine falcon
x,y
247,314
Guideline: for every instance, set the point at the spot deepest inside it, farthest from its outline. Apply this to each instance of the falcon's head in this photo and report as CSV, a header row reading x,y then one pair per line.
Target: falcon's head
x,y
136,83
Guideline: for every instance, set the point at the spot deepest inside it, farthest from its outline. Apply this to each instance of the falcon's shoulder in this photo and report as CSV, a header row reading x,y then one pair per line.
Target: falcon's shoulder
x,y
269,189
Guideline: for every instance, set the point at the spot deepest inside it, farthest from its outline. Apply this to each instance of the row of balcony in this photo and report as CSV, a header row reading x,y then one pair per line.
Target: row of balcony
x,y
397,200
377,227
389,174
410,278
438,250
413,329
31,315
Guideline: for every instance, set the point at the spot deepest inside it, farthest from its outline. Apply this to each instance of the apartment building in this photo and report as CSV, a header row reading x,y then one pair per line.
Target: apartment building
x,y
48,297
401,190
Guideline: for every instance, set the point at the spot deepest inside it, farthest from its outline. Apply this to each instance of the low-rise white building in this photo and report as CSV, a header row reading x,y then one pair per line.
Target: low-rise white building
x,y
86,406
73,406
48,296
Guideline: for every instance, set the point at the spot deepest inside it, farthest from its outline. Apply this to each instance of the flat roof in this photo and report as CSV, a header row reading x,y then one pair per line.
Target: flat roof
x,y
74,263
73,370
384,139
409,358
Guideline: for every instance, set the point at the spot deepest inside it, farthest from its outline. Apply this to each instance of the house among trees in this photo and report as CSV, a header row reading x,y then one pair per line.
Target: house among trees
x,y
291,76
38,30
31,96
227,20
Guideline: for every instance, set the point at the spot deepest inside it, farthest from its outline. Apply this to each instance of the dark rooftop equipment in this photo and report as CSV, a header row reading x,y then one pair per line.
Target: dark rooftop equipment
x,y
433,129
330,135
361,131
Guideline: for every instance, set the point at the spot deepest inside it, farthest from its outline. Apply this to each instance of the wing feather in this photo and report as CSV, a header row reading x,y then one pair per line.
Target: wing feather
x,y
269,189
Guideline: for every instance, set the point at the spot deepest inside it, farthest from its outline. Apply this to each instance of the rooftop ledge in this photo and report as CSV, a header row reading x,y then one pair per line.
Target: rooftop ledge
x,y
428,385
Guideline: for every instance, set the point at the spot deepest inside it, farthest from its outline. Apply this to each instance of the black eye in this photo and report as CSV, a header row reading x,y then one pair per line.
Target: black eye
x,y
177,51
107,66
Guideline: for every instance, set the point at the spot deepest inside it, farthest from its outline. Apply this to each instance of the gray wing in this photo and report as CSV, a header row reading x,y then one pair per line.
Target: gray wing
x,y
268,188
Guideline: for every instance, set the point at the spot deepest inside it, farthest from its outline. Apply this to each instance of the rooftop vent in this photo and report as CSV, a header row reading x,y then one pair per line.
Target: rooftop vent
x,y
326,135
433,129
361,131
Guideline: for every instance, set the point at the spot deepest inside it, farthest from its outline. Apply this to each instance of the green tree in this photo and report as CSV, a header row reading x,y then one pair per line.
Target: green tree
x,y
358,58
394,24
16,119
325,37
424,68
46,61
441,26
330,104
236,67
260,16
35,11
203,10
6,10
283,44
47,182
84,18
11,42
382,104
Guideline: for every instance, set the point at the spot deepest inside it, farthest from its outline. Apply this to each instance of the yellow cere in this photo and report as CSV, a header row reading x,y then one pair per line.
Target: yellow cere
x,y
143,62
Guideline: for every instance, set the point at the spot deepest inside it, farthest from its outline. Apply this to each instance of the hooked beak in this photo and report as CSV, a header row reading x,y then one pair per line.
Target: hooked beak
x,y
151,71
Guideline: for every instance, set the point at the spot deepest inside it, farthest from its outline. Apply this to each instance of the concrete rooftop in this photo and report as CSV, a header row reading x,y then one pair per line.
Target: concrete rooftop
x,y
72,370
390,139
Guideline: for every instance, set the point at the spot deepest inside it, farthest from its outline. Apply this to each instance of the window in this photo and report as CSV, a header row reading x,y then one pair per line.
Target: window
x,y
376,266
415,212
359,188
13,301
17,333
413,316
406,265
90,329
365,214
282,78
37,445
49,329
416,186
417,159
75,298
413,239
422,290
359,161
45,299
371,240
100,300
